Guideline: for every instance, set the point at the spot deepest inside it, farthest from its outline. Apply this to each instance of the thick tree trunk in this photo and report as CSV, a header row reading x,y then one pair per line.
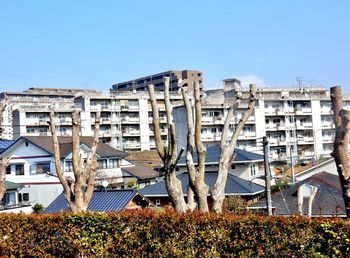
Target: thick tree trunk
x,y
2,109
4,162
226,155
174,188
341,144
196,174
77,191
169,154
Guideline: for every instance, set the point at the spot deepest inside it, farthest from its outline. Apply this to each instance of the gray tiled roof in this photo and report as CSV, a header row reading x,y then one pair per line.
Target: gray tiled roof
x,y
109,200
234,186
4,144
140,171
45,142
213,154
327,202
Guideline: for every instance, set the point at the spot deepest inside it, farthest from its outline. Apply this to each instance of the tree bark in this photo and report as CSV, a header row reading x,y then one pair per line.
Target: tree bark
x,y
196,174
4,162
77,191
169,154
227,148
3,105
341,142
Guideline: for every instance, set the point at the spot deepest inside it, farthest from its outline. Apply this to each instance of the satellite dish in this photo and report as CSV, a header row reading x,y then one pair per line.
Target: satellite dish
x,y
105,183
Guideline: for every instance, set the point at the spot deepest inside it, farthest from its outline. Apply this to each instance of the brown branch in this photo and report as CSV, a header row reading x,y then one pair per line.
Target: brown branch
x,y
91,164
4,162
156,126
57,154
229,116
247,114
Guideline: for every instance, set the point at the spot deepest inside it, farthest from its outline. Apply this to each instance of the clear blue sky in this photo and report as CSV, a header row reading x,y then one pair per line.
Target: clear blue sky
x,y
93,44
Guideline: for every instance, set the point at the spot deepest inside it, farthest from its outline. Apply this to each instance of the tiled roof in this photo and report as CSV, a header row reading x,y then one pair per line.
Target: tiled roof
x,y
45,142
140,171
4,144
109,200
327,202
213,155
234,186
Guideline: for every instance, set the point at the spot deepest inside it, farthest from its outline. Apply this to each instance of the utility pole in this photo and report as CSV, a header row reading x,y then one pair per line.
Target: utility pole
x,y
292,165
267,176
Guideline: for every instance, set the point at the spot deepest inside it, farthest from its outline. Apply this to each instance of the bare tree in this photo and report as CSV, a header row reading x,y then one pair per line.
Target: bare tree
x,y
3,105
227,147
77,191
4,162
341,142
167,154
194,142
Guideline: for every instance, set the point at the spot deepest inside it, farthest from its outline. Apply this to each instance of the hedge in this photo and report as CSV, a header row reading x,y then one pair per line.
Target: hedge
x,y
168,234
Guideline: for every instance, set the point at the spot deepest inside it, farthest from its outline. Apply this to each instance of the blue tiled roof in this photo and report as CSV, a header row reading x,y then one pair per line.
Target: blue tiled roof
x,y
213,155
110,200
234,185
4,144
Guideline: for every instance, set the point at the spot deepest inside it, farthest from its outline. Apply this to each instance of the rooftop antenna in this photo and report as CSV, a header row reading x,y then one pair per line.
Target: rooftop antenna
x,y
300,82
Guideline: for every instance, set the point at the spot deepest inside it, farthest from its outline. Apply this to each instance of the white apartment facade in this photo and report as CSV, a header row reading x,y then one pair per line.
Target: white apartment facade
x,y
297,121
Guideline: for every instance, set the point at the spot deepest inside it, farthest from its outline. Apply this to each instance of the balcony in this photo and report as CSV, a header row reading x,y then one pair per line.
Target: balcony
x,y
246,135
129,108
110,173
305,140
303,126
303,111
131,145
131,132
327,125
128,119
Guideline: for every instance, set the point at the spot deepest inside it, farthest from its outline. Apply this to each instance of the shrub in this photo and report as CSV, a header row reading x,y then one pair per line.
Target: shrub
x,y
38,208
166,233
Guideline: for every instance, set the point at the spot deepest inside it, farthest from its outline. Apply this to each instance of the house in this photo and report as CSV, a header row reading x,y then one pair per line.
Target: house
x,y
32,164
246,165
327,202
12,201
235,185
106,200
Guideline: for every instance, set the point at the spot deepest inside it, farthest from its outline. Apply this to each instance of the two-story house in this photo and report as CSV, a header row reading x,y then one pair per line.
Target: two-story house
x,y
32,165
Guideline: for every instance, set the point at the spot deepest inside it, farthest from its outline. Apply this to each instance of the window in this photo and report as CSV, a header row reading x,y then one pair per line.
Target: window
x,y
233,166
102,163
23,197
252,169
19,168
114,163
8,199
157,202
42,167
8,170
68,165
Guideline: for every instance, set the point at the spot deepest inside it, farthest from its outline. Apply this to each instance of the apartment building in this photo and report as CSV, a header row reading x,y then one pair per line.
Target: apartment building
x,y
177,78
28,111
297,121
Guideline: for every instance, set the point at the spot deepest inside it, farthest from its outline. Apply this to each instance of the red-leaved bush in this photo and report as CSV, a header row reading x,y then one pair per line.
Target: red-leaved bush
x,y
169,234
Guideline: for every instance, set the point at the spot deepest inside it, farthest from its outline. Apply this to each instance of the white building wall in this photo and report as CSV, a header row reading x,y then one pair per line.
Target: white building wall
x,y
317,130
144,124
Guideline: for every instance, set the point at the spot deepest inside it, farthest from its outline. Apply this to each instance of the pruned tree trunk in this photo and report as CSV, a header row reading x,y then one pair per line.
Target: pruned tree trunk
x,y
227,147
4,162
168,154
194,142
3,105
341,144
77,191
